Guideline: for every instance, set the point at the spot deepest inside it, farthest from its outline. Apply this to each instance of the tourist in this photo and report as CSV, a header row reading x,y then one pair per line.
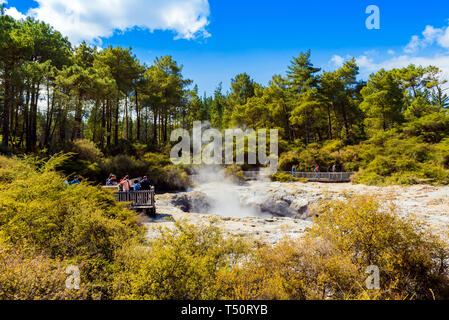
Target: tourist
x,y
75,180
126,184
145,184
294,171
317,170
112,180
136,185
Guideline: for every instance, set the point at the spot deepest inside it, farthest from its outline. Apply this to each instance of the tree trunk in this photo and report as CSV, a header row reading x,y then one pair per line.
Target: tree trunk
x,y
103,124
33,117
26,121
137,118
76,133
155,126
116,122
329,119
126,118
6,105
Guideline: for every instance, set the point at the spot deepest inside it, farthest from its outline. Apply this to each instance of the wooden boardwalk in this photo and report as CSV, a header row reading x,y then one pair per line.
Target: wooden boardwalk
x,y
310,176
139,200
323,176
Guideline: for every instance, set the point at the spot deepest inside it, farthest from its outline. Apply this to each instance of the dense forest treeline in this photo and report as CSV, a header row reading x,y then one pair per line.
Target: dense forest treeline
x,y
52,94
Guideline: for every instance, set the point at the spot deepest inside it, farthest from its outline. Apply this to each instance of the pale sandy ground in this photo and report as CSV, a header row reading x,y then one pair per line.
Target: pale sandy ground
x,y
429,204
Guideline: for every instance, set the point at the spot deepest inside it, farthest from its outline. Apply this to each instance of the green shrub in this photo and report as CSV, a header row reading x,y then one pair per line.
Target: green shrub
x,y
28,275
169,178
182,263
331,260
442,150
284,177
235,174
412,262
292,270
81,223
288,160
85,149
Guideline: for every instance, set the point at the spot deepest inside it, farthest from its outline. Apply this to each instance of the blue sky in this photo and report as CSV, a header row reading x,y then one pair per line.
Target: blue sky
x,y
215,40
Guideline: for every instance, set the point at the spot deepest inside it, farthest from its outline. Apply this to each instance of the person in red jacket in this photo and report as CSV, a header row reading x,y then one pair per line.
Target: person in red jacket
x,y
126,184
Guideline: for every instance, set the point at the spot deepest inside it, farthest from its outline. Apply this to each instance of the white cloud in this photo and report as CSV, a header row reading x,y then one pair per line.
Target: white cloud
x,y
441,61
370,61
368,65
337,60
414,45
90,20
14,13
430,36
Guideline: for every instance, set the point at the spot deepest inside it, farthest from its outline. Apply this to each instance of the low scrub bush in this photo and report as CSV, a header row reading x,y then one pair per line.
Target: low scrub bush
x,y
412,262
85,149
235,174
81,223
331,260
284,177
181,263
28,275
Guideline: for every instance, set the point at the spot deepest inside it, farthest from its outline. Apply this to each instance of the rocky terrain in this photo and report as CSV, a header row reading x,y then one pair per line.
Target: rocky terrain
x,y
269,211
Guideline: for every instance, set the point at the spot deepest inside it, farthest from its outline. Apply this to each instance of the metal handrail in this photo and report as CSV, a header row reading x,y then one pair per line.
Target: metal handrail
x,y
323,176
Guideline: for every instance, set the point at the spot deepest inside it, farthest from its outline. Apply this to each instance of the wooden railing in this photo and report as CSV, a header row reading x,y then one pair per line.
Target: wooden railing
x,y
138,199
323,176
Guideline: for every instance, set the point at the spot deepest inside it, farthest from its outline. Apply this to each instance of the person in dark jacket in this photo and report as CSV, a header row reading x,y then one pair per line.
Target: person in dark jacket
x,y
145,184
75,180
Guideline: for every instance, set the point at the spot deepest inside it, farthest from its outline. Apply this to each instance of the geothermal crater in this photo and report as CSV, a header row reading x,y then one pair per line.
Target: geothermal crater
x,y
252,200
269,211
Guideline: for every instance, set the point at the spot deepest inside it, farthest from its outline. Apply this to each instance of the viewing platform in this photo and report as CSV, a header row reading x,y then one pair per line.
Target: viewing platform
x,y
310,176
322,176
139,200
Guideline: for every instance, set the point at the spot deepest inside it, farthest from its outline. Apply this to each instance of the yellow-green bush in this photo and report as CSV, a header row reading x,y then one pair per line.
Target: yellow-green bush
x,y
181,263
287,160
28,275
412,262
292,270
86,150
81,223
284,177
234,173
331,260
